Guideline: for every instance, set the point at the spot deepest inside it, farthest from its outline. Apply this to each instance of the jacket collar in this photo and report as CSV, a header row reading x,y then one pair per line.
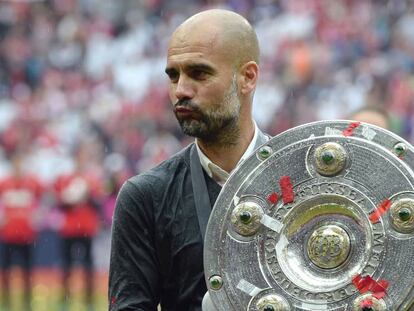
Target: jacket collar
x,y
217,173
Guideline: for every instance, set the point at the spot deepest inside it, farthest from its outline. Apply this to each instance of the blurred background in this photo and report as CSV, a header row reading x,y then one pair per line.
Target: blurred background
x,y
84,105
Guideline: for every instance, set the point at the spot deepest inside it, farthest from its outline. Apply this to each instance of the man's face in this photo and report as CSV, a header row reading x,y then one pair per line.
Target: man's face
x,y
203,89
372,117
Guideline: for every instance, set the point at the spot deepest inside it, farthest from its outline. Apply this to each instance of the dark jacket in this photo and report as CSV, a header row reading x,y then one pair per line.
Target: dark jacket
x,y
157,246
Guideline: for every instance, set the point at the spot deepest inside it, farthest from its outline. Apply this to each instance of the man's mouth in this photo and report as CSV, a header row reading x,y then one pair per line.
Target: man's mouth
x,y
184,112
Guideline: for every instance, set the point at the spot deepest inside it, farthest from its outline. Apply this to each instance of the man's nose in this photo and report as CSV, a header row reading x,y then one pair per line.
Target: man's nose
x,y
184,88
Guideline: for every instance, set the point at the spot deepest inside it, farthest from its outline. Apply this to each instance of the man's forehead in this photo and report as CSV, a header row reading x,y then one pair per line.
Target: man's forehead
x,y
191,60
196,37
198,41
194,51
193,47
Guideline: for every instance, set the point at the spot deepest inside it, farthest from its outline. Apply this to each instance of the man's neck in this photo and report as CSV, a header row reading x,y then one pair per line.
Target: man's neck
x,y
227,156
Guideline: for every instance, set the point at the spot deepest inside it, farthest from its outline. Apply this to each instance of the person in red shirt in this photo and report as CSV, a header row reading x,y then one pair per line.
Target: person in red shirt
x,y
20,216
77,198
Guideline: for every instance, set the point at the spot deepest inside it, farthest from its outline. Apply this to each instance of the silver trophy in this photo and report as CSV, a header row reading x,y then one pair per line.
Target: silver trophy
x,y
319,218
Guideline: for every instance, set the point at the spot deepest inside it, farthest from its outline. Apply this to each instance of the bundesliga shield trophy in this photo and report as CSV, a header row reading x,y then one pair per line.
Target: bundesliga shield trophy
x,y
321,217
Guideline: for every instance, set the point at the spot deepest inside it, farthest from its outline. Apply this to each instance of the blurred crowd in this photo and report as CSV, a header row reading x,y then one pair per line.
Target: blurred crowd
x,y
84,102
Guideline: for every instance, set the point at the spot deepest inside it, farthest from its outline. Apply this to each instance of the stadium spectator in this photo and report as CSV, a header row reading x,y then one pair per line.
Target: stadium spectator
x,y
78,196
20,217
373,115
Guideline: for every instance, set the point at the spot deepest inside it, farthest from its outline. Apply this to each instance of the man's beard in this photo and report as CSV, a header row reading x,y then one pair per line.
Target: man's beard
x,y
216,125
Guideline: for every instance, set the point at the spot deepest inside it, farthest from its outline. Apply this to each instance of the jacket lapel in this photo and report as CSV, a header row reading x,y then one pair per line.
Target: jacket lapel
x,y
200,191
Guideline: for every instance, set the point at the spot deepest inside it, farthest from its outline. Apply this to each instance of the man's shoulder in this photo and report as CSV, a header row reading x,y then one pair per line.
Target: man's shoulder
x,y
164,171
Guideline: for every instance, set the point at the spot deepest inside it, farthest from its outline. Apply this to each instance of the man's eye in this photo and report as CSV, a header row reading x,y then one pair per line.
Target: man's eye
x,y
199,74
173,76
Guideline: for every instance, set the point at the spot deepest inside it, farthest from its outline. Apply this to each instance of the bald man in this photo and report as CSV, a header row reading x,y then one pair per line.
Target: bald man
x,y
161,215
372,114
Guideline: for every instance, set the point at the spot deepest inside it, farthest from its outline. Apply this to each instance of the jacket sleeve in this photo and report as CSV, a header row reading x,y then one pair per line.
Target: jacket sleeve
x,y
134,275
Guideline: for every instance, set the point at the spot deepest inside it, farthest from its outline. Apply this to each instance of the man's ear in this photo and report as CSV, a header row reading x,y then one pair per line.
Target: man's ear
x,y
249,73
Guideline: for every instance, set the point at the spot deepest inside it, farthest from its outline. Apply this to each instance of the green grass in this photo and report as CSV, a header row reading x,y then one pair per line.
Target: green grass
x,y
47,291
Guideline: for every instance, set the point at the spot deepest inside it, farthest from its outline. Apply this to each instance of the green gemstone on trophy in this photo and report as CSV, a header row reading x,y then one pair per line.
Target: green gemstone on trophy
x,y
269,308
330,159
400,149
216,282
265,152
245,217
327,157
404,214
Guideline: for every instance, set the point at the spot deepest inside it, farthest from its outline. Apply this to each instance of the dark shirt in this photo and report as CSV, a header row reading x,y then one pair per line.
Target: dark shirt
x,y
157,248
